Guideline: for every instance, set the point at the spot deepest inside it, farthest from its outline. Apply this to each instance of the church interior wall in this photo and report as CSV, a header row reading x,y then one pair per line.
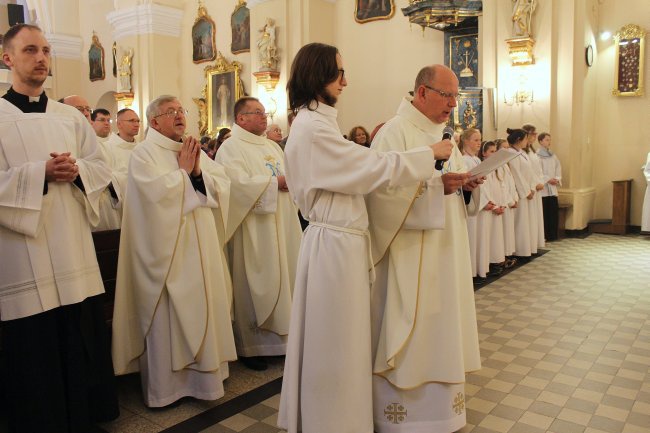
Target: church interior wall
x,y
621,134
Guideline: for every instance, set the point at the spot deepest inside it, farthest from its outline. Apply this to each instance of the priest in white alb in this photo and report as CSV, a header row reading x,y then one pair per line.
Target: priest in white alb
x,y
423,318
57,374
264,233
173,292
117,152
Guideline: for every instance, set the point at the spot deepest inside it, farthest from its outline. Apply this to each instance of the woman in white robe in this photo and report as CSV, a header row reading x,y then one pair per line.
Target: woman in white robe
x,y
469,145
536,211
509,191
522,173
327,384
494,214
645,216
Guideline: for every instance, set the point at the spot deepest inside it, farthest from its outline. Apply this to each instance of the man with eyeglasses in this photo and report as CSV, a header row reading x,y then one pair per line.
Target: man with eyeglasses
x,y
58,375
424,322
100,119
264,233
117,151
80,103
173,291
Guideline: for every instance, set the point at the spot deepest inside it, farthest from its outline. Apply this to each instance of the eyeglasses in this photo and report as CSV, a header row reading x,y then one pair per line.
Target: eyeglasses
x,y
257,113
83,108
173,113
133,120
342,72
443,94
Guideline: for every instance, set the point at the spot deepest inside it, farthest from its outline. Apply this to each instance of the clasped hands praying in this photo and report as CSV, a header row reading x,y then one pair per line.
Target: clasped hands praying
x,y
189,157
61,168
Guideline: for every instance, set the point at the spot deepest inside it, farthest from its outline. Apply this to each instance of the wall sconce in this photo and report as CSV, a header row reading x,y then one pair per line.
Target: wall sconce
x,y
520,96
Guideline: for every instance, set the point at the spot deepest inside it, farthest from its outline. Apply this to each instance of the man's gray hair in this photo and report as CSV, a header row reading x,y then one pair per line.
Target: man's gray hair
x,y
425,77
153,109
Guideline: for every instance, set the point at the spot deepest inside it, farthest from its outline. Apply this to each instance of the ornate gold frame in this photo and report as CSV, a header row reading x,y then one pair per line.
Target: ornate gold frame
x,y
629,34
367,20
207,124
203,16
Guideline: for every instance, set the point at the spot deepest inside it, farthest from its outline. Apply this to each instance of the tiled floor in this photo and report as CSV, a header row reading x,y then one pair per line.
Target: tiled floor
x,y
565,342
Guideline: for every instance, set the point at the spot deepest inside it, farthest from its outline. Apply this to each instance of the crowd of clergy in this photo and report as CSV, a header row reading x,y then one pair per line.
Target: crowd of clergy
x,y
372,305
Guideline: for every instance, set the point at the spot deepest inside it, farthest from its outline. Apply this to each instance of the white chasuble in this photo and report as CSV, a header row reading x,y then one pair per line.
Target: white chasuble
x,y
645,214
117,153
423,317
264,246
33,225
173,287
327,384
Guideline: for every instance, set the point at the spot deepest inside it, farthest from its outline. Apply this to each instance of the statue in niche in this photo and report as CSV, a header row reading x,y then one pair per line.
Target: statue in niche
x,y
469,116
125,71
267,50
522,17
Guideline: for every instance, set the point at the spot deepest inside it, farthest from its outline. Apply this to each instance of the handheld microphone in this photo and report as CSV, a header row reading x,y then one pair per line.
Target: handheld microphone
x,y
447,133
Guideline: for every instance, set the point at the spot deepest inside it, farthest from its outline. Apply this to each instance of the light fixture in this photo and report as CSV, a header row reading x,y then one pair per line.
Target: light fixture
x,y
520,96
605,35
440,14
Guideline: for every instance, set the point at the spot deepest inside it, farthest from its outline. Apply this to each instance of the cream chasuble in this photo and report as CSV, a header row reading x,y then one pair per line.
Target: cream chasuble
x,y
327,384
117,153
32,224
264,247
173,287
423,317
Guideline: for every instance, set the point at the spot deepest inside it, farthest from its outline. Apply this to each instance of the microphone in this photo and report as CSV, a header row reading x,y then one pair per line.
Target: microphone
x,y
447,133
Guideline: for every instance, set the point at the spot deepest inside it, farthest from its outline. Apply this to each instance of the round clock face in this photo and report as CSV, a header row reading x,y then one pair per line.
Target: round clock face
x,y
589,55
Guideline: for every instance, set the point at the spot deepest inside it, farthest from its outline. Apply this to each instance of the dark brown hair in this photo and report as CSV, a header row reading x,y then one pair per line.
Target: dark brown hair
x,y
241,104
542,136
313,68
13,31
515,135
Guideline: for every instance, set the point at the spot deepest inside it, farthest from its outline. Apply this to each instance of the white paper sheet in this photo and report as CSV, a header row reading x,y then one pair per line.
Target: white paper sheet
x,y
488,165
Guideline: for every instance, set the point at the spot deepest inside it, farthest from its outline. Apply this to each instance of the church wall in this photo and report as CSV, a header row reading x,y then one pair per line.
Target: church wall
x,y
621,136
381,60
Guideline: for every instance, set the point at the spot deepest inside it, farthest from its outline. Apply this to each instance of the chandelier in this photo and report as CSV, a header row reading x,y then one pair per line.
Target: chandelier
x,y
440,14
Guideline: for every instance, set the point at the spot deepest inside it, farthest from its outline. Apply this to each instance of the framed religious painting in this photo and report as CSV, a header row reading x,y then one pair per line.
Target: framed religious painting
x,y
96,60
373,10
240,23
223,87
629,42
461,56
203,37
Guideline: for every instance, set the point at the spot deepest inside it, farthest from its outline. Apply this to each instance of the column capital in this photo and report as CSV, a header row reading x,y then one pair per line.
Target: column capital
x,y
65,46
146,19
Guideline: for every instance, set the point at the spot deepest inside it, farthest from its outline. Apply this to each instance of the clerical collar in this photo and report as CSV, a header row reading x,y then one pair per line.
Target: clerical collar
x,y
27,104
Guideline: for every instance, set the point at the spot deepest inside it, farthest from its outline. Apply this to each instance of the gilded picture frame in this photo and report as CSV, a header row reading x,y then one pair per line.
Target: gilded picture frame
x,y
469,111
373,10
629,43
222,89
96,69
240,25
203,37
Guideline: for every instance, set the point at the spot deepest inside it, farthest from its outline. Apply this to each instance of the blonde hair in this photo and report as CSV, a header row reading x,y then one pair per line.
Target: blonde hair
x,y
466,136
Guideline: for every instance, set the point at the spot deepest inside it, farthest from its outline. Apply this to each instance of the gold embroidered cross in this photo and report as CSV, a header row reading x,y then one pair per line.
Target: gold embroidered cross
x,y
459,403
395,413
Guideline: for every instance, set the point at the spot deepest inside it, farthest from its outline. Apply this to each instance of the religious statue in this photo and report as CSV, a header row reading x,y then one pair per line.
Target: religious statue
x,y
268,51
469,116
522,17
203,115
125,71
